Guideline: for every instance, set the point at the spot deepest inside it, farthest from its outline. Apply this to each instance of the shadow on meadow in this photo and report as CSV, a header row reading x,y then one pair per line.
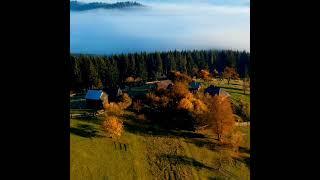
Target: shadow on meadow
x,y
90,119
84,130
136,126
183,160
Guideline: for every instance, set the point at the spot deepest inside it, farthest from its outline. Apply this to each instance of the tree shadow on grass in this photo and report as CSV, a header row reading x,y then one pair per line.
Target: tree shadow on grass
x,y
84,130
90,119
136,126
208,143
175,159
244,159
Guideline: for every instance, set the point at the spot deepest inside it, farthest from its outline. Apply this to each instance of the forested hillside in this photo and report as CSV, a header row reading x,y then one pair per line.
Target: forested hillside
x,y
88,71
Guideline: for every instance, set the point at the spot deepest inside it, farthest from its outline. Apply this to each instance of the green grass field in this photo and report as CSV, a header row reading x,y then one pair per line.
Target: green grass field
x,y
146,152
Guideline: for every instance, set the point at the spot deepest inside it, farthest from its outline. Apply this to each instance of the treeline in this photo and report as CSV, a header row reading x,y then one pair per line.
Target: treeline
x,y
89,71
79,6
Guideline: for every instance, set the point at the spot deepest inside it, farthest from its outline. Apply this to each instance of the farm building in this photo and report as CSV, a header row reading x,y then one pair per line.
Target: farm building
x,y
194,86
213,90
163,84
95,99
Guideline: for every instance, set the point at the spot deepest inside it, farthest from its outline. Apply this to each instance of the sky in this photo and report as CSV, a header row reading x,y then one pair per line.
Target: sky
x,y
164,25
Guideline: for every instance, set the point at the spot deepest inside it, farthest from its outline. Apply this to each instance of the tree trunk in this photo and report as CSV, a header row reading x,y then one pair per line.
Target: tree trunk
x,y
228,81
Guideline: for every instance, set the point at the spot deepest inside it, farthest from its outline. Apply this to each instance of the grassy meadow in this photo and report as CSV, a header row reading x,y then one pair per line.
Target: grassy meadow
x,y
148,152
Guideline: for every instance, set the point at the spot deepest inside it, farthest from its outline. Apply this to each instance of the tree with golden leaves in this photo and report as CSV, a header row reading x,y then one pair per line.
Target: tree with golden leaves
x,y
230,73
113,126
180,90
177,76
185,104
221,116
204,74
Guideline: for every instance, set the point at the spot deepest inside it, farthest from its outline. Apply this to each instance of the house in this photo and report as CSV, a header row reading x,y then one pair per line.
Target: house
x,y
214,90
95,99
194,86
163,84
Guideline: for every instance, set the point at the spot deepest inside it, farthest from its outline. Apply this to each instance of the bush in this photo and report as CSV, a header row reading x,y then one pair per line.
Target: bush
x,y
113,127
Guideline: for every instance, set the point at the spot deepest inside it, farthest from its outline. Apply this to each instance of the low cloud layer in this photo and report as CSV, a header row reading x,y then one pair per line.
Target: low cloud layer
x,y
162,26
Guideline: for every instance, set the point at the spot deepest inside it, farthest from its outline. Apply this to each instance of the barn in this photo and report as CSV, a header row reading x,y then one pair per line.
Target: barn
x,y
214,90
95,99
194,86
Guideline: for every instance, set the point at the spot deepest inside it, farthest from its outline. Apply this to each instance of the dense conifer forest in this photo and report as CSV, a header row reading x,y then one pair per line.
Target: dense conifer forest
x,y
90,71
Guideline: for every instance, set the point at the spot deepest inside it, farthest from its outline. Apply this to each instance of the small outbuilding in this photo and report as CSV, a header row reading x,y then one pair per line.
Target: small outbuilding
x,y
194,86
214,90
95,99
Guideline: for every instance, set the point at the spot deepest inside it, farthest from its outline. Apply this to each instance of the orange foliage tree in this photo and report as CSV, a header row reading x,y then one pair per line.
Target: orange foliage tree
x,y
180,90
177,76
230,73
204,74
125,101
113,126
220,116
185,104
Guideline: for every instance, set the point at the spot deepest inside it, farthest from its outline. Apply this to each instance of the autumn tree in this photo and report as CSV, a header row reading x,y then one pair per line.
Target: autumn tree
x,y
230,73
204,74
177,76
125,101
220,115
180,90
185,104
113,126
113,109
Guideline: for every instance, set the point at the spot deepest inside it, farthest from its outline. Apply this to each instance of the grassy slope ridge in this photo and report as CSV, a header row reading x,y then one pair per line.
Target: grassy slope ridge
x,y
144,152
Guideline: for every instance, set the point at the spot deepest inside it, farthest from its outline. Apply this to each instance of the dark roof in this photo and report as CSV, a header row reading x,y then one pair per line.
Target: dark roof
x,y
213,90
195,85
94,94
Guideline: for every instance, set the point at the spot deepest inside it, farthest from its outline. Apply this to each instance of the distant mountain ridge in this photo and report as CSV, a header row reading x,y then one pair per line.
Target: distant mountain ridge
x,y
80,6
